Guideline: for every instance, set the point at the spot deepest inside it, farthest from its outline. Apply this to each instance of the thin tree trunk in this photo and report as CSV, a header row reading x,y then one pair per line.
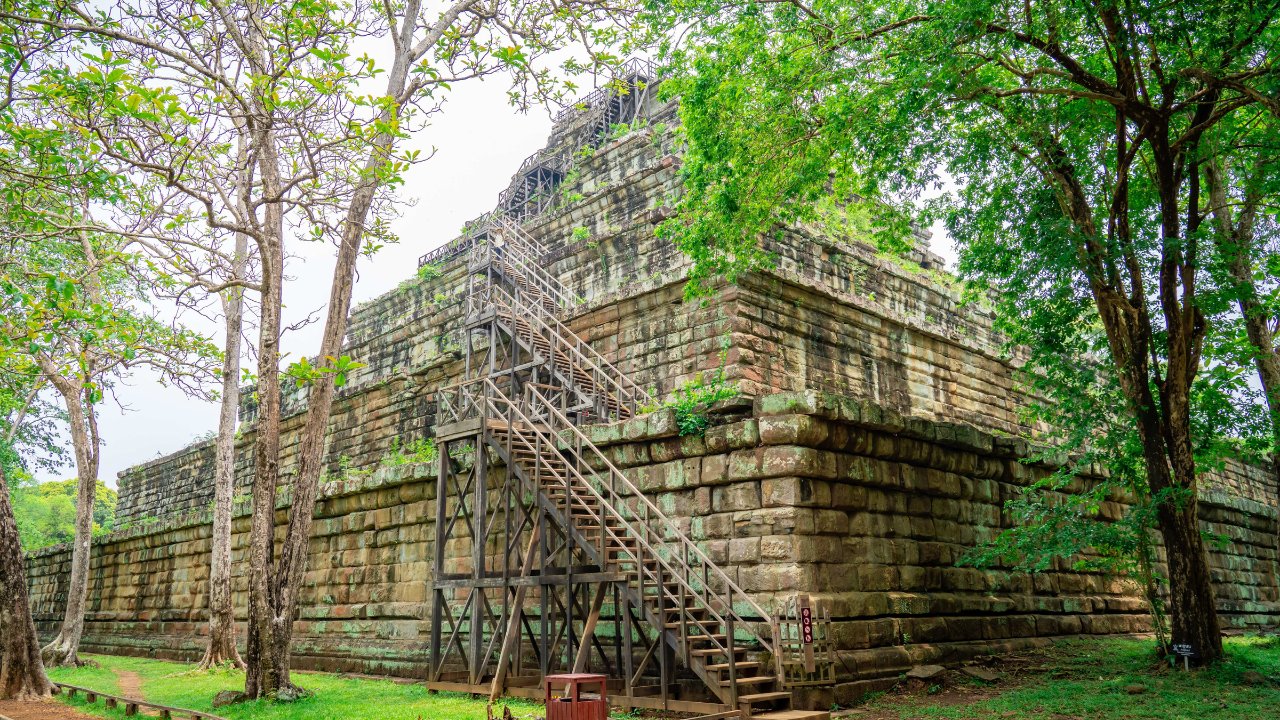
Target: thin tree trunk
x,y
1235,240
22,673
1266,354
265,675
293,552
64,649
222,621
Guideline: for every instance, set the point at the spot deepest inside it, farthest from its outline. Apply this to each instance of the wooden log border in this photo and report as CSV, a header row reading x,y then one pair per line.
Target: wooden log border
x,y
131,705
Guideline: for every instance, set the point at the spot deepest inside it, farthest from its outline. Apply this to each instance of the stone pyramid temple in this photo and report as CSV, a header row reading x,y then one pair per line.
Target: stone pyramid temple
x,y
795,545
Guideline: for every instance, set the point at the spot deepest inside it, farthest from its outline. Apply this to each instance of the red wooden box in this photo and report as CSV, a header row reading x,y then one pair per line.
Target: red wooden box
x,y
571,705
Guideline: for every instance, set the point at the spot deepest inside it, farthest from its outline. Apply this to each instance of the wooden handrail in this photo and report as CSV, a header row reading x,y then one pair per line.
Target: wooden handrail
x,y
627,392
523,259
536,248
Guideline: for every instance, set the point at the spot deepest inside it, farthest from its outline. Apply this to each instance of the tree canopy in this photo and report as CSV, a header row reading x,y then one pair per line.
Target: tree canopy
x,y
46,512
1073,148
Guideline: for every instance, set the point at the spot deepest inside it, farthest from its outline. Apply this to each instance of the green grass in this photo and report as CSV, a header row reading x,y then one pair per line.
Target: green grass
x,y
335,698
1089,679
1072,679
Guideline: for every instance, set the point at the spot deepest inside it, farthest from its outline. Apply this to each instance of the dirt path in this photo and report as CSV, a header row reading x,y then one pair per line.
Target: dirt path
x,y
40,710
130,687
130,684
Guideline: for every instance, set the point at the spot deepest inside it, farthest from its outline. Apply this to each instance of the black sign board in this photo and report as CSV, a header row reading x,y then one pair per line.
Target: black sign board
x,y
1186,652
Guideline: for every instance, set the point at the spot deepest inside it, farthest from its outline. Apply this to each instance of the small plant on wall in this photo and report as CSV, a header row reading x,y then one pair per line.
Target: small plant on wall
x,y
693,399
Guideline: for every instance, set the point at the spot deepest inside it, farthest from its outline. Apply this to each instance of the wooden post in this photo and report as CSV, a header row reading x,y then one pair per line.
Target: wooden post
x,y
662,649
684,614
437,595
733,662
628,656
776,630
479,515
617,631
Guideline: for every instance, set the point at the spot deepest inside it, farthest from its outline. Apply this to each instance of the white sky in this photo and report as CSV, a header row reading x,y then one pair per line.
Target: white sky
x,y
481,141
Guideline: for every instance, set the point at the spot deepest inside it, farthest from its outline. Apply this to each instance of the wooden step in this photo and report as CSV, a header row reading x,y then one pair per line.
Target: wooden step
x,y
724,667
764,697
791,715
753,680
693,623
709,652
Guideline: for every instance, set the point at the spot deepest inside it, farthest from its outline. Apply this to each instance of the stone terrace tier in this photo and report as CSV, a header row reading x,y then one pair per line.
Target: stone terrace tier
x,y
833,315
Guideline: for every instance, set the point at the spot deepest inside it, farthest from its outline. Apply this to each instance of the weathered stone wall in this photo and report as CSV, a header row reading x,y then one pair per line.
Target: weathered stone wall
x,y
869,511
863,508
364,603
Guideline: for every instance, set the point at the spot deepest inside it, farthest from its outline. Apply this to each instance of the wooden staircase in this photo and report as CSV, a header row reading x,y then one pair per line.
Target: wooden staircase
x,y
700,618
668,579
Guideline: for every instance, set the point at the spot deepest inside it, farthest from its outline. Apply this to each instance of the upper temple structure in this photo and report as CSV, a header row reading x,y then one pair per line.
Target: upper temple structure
x,y
796,546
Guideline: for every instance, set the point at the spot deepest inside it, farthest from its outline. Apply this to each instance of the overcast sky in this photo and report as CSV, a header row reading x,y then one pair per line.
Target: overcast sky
x,y
480,142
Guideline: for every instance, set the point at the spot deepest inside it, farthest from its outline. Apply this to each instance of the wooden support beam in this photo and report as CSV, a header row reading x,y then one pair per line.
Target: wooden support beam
x,y
589,630
511,640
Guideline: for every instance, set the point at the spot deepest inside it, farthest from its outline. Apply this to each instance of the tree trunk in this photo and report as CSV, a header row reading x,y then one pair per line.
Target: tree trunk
x,y
64,649
1235,240
1193,612
21,669
1193,616
1266,354
222,621
282,594
293,552
265,675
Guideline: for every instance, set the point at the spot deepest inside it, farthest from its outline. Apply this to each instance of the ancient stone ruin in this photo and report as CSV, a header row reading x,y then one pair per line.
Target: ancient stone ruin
x,y
565,523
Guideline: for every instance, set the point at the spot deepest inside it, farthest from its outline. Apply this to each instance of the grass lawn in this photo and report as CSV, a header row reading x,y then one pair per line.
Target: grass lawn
x,y
1102,679
335,698
1098,679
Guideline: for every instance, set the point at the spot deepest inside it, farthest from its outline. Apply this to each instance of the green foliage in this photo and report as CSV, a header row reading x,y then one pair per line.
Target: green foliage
x,y
430,271
1071,169
695,397
422,450
304,373
581,233
46,512
567,185
1090,678
621,130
